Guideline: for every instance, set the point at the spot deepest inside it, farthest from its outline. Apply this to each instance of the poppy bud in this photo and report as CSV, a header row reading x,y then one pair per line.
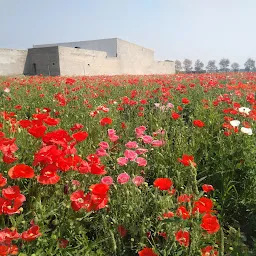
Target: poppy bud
x,y
66,189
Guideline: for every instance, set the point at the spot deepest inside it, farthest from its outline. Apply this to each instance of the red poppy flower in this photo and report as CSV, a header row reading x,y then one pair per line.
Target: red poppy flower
x,y
31,234
163,183
37,131
51,121
21,171
70,81
78,200
9,158
175,116
182,237
203,205
48,175
105,121
18,107
95,202
25,123
187,160
210,223
99,189
47,155
184,198
11,192
9,235
180,108
3,180
207,188
58,137
80,136
209,251
76,127
183,213
147,252
40,116
168,215
6,250
98,169
198,123
185,101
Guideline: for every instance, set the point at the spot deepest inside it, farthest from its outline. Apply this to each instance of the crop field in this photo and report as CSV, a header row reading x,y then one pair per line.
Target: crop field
x,y
128,165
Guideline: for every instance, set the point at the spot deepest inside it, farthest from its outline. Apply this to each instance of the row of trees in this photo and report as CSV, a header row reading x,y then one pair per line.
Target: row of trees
x,y
211,66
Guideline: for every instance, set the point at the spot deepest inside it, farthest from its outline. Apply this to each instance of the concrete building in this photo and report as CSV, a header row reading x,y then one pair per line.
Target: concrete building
x,y
98,57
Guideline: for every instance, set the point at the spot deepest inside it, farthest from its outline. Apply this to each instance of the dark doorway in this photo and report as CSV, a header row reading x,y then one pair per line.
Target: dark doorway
x,y
34,68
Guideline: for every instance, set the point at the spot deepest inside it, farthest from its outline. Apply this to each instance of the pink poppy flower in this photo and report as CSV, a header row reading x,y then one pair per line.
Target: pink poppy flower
x,y
140,130
100,152
130,154
104,145
141,161
107,180
122,161
157,143
131,144
113,138
111,132
138,180
141,151
123,178
147,139
169,105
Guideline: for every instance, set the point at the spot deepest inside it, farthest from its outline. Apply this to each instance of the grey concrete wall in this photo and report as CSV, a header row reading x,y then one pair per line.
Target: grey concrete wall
x,y
43,61
12,62
77,62
105,45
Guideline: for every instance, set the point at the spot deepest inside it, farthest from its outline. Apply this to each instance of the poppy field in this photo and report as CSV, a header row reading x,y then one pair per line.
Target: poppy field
x,y
128,165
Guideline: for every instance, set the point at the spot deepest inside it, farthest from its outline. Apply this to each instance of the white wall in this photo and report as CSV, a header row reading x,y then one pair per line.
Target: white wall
x,y
12,62
135,59
77,62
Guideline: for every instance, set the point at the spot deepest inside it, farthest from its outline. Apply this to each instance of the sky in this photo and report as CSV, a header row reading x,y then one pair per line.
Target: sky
x,y
174,29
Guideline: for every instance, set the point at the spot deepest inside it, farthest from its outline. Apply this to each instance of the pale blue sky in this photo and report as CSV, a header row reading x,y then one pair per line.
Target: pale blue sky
x,y
175,29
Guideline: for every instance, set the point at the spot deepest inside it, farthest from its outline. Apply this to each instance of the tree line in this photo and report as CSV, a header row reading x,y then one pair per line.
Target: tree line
x,y
224,66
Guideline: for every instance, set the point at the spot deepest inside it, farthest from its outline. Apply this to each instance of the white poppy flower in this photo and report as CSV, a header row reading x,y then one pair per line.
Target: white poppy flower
x,y
246,130
7,90
244,110
235,123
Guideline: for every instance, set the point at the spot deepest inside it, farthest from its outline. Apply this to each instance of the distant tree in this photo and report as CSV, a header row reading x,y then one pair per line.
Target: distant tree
x,y
224,63
178,66
199,66
235,66
249,65
187,65
211,66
